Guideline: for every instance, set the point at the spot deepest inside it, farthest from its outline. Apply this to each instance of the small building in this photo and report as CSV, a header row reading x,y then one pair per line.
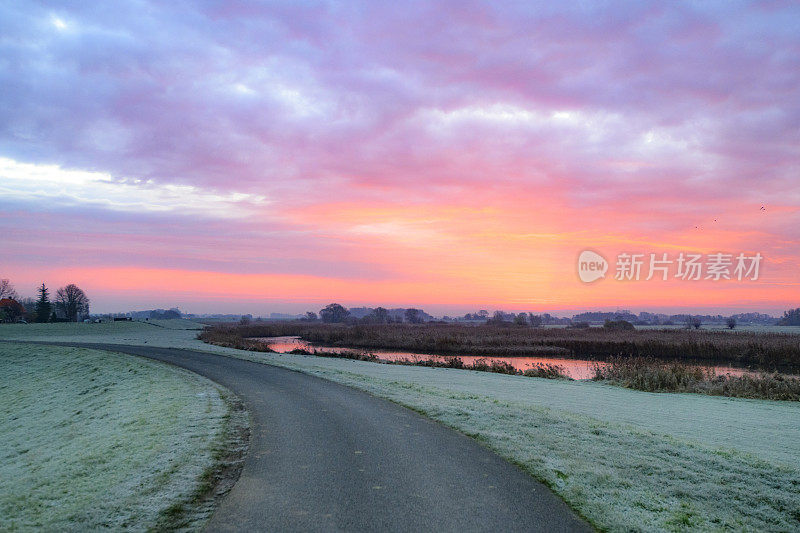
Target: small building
x,y
11,310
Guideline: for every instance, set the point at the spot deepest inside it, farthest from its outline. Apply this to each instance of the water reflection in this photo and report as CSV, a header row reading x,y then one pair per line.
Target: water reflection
x,y
574,368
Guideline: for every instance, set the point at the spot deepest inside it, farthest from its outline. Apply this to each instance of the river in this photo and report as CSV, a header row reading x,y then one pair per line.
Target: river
x,y
574,368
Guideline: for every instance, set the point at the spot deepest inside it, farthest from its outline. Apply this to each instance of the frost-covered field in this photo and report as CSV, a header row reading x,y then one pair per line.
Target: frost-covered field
x,y
625,459
95,440
786,330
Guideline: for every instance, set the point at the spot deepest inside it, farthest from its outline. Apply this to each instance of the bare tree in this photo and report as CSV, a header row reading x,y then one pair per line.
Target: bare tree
x,y
7,290
790,318
72,302
534,320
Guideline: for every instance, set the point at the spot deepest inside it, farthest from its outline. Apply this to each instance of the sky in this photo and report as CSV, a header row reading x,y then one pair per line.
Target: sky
x,y
234,156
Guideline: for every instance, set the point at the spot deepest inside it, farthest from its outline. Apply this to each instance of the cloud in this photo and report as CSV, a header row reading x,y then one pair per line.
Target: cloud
x,y
50,184
272,119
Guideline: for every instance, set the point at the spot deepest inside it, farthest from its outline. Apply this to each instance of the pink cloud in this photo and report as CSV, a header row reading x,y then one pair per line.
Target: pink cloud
x,y
468,126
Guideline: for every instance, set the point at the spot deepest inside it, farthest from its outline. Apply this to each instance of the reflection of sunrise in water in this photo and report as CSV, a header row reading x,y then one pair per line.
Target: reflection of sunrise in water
x,y
574,368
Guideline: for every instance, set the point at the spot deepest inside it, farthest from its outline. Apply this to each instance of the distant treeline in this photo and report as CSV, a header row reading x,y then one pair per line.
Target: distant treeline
x,y
336,313
70,305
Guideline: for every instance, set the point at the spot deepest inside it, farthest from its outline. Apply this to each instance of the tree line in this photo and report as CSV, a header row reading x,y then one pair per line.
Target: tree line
x,y
70,304
338,314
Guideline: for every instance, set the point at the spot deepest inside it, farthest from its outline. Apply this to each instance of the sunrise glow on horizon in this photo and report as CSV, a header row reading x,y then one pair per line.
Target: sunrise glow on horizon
x,y
238,157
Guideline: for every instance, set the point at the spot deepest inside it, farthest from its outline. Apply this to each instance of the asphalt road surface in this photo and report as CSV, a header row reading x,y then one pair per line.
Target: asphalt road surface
x,y
326,457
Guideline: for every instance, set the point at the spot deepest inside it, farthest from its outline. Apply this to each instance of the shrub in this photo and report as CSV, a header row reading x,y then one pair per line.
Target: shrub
x,y
543,370
650,375
619,325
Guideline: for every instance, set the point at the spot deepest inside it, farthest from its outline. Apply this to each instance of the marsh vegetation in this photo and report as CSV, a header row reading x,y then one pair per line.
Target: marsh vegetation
x,y
647,360
762,351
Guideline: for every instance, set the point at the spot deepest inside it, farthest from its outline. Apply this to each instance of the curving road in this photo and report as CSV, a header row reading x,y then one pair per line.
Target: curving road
x,y
326,457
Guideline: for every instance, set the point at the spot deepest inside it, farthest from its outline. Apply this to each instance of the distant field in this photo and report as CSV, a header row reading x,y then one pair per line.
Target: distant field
x,y
627,460
96,440
762,350
785,330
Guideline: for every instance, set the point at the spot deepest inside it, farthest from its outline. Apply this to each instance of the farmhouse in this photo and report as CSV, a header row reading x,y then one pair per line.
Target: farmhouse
x,y
11,310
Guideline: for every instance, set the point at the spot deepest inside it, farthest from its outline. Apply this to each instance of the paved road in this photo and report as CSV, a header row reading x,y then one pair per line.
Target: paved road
x,y
326,457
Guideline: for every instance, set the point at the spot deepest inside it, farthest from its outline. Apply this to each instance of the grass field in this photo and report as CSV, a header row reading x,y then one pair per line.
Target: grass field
x,y
625,459
96,440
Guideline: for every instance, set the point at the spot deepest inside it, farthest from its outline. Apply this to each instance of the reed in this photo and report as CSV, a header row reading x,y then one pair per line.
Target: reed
x,y
651,375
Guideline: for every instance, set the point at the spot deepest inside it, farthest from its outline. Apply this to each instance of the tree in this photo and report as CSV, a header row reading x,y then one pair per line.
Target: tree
x,y
161,314
378,315
790,318
43,306
334,314
413,316
534,320
696,323
72,302
381,315
310,316
7,290
29,304
521,319
731,323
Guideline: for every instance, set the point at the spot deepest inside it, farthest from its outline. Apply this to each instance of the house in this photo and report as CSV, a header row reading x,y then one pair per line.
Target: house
x,y
11,310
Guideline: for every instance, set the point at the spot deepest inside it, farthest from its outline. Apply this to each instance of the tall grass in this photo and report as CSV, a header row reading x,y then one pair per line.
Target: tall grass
x,y
762,350
651,375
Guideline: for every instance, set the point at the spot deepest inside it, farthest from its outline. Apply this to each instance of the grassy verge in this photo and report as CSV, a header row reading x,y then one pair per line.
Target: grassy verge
x,y
763,350
651,375
227,459
100,440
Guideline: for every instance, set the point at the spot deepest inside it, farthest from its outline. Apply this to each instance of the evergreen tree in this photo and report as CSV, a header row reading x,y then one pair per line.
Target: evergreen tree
x,y
43,306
